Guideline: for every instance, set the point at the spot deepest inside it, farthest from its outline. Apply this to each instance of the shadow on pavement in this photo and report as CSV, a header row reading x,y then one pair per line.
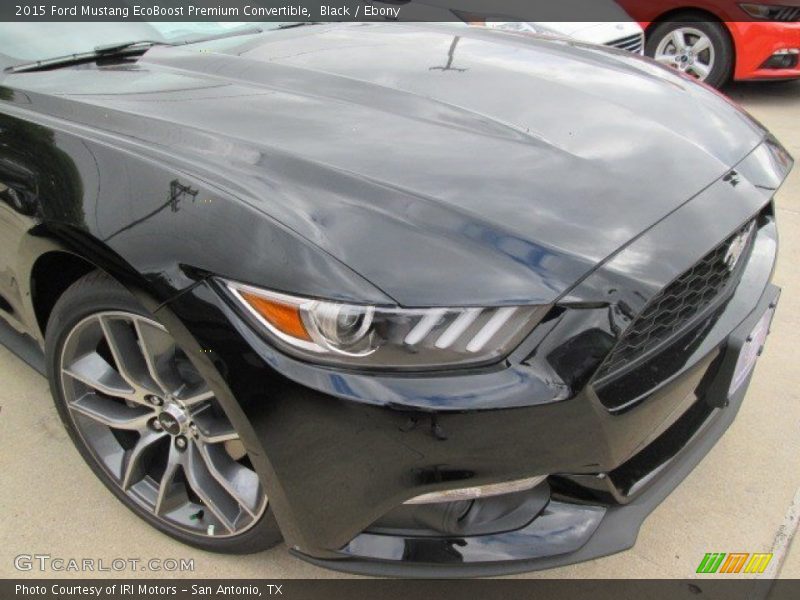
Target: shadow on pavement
x,y
774,93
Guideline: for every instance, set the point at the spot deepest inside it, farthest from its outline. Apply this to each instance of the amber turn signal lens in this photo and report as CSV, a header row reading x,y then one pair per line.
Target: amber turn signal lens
x,y
284,317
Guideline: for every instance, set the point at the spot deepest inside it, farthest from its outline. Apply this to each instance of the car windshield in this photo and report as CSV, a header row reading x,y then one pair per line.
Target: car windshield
x,y
28,42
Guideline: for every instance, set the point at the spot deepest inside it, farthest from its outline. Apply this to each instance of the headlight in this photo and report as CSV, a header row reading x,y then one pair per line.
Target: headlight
x,y
770,12
381,337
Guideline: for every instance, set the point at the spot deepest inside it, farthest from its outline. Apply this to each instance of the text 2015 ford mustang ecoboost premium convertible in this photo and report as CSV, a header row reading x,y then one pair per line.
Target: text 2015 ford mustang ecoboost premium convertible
x,y
417,299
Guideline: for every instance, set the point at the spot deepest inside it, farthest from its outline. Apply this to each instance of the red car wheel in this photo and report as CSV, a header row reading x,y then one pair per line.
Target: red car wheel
x,y
702,49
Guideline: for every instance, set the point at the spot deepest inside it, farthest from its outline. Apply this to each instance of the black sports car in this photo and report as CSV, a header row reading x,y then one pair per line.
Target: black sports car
x,y
418,299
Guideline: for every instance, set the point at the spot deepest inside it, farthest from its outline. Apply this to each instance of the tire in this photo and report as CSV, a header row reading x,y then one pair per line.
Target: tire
x,y
81,324
659,45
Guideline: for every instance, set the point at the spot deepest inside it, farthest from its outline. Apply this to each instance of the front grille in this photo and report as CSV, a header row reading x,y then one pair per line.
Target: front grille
x,y
631,43
681,303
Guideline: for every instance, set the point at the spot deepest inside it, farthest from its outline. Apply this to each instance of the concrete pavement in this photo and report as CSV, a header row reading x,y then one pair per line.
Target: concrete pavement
x,y
738,499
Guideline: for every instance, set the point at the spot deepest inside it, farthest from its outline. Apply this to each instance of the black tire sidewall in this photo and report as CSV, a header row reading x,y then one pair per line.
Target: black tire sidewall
x,y
97,292
722,71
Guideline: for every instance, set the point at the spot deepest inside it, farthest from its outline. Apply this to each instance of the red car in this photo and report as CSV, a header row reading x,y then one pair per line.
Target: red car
x,y
720,40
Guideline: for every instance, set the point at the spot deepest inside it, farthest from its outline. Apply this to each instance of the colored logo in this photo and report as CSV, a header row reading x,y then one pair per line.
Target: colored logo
x,y
735,562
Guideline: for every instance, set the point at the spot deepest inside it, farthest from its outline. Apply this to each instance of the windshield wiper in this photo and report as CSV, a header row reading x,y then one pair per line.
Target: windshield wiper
x,y
137,47
106,51
297,24
243,31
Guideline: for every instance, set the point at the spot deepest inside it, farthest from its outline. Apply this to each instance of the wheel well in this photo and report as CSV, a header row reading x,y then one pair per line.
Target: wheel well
x,y
675,12
52,274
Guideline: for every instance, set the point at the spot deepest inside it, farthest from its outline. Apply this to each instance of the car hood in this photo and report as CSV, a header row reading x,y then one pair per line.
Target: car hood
x,y
446,165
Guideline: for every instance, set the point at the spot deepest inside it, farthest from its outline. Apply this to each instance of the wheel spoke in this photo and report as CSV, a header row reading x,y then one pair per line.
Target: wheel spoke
x,y
111,413
699,69
133,465
213,430
214,496
158,348
128,356
220,435
664,58
168,492
678,41
193,397
701,45
240,482
94,371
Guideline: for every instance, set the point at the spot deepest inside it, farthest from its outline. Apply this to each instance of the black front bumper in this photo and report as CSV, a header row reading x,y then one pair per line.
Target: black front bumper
x,y
339,450
565,532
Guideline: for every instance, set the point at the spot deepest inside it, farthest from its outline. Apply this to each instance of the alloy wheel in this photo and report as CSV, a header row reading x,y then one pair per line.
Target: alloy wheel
x,y
153,424
689,50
